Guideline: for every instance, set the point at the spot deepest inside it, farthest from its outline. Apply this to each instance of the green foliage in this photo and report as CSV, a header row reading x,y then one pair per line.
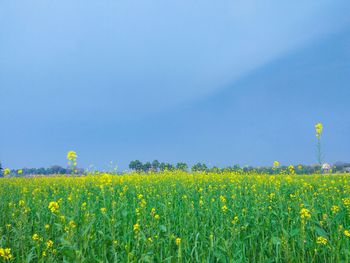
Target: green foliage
x,y
199,167
182,166
176,217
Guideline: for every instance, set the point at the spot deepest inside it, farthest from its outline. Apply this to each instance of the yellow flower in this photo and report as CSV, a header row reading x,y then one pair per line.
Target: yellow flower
x,y
49,243
72,224
136,227
7,171
157,217
20,171
235,220
224,209
178,241
153,211
319,129
347,233
346,201
276,164
103,210
35,237
321,240
222,199
305,213
47,226
5,253
54,206
72,156
335,209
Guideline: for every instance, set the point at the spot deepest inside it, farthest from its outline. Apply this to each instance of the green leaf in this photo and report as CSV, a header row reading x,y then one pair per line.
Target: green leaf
x,y
276,241
320,231
162,228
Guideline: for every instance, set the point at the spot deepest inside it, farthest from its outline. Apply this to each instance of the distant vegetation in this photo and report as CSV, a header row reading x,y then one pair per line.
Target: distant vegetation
x,y
156,166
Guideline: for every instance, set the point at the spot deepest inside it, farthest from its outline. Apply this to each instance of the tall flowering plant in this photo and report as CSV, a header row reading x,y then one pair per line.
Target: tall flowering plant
x,y
72,161
319,130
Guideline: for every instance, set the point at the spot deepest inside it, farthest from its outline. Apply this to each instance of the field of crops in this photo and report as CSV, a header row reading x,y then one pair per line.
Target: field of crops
x,y
176,217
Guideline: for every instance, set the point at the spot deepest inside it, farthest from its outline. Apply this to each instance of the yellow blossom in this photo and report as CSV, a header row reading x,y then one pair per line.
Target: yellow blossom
x,y
235,220
321,240
305,213
72,224
49,243
136,227
276,164
54,206
222,199
35,237
72,156
224,208
318,128
5,253
347,233
335,209
7,171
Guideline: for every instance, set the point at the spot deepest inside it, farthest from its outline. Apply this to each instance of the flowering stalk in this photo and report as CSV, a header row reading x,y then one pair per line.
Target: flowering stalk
x,y
319,129
72,161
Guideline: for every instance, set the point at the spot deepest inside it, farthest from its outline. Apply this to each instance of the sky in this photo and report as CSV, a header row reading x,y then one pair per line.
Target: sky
x,y
229,82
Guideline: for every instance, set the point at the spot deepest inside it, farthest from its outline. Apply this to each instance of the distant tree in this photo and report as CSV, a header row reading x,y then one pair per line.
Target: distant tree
x,y
155,165
147,167
181,166
169,167
56,169
199,167
1,170
236,167
162,166
136,165
166,167
215,169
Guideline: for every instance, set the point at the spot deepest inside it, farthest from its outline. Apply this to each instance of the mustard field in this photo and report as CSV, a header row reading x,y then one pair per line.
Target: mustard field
x,y
176,217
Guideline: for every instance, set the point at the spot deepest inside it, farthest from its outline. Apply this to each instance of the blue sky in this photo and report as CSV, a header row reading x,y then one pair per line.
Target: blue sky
x,y
230,82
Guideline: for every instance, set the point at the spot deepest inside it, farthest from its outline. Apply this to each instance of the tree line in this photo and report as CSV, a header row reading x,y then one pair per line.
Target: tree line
x,y
54,169
156,166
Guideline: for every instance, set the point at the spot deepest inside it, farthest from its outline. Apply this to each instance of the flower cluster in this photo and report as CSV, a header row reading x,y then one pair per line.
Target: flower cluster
x,y
5,253
305,213
54,206
321,240
7,171
319,129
